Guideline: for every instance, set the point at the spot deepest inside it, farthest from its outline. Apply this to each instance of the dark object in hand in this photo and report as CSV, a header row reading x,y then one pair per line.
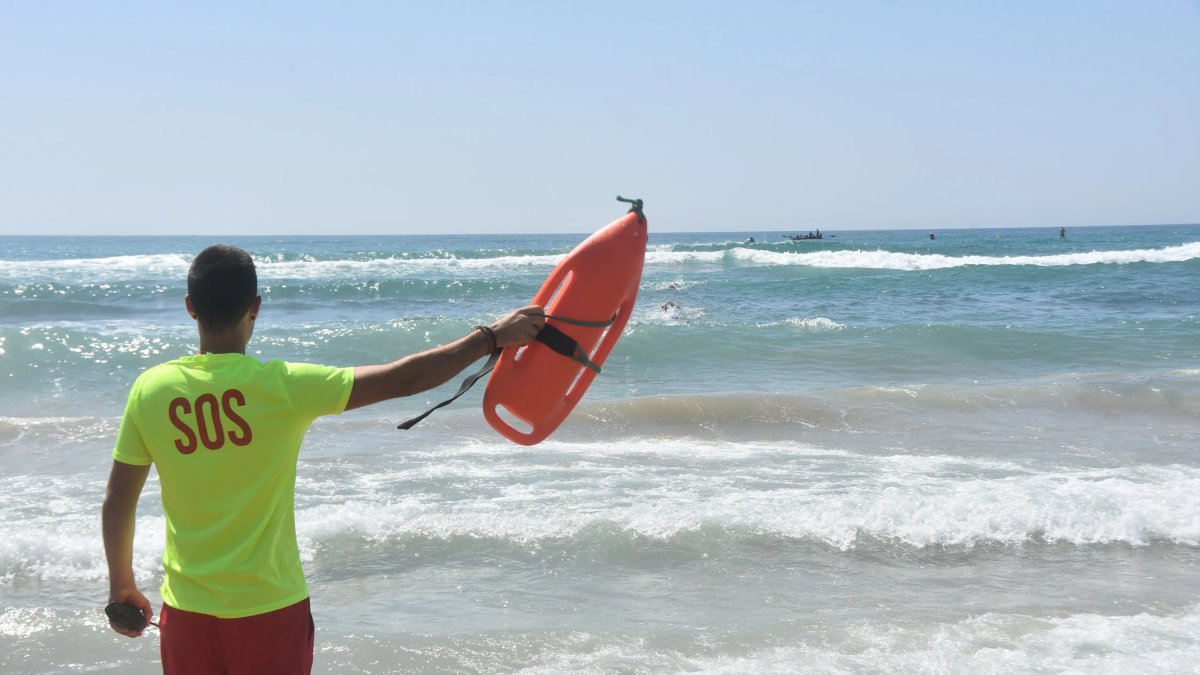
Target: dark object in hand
x,y
125,615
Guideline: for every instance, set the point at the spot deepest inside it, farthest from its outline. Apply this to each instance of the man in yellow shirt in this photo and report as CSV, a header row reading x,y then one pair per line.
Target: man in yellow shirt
x,y
224,431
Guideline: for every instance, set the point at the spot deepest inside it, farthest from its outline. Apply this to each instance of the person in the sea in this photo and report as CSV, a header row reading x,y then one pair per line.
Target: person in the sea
x,y
1062,232
224,431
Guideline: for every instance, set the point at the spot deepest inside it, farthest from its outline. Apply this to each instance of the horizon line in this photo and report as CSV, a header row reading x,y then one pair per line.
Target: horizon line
x,y
569,232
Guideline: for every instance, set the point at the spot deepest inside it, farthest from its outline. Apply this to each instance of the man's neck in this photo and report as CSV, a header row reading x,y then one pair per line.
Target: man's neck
x,y
221,343
231,339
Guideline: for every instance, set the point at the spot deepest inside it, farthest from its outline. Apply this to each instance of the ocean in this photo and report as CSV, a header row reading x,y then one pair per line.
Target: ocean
x,y
873,453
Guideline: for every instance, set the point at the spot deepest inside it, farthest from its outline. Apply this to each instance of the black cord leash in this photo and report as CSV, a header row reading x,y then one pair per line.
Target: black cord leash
x,y
466,385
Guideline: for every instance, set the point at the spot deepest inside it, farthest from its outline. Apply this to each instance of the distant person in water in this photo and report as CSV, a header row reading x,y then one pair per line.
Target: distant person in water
x,y
932,236
1062,232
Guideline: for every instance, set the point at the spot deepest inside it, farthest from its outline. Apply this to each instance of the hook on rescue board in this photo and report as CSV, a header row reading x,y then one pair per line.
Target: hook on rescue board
x,y
589,296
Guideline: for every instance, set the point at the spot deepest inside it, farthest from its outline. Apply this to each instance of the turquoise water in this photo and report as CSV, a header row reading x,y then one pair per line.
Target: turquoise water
x,y
871,453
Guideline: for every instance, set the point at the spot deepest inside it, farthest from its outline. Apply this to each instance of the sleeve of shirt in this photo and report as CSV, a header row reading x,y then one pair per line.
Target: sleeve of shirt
x,y
130,447
319,390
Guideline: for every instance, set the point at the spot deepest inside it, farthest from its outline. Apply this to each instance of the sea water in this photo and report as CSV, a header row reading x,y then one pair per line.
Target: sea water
x,y
873,453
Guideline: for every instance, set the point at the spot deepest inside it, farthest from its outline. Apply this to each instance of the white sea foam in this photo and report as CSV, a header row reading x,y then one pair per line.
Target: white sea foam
x,y
990,643
392,267
583,495
174,266
42,430
816,323
167,265
891,260
842,500
50,530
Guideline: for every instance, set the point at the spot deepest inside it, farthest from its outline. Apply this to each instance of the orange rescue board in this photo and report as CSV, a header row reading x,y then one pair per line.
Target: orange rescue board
x,y
596,282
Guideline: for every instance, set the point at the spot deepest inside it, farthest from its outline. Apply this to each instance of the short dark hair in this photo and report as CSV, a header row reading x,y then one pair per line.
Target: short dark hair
x,y
222,282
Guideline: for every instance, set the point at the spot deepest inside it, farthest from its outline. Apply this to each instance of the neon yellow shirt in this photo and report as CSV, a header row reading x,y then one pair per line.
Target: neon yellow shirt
x,y
224,432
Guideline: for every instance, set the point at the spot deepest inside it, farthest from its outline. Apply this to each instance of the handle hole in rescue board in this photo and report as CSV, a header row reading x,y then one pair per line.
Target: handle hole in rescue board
x,y
592,357
510,418
562,286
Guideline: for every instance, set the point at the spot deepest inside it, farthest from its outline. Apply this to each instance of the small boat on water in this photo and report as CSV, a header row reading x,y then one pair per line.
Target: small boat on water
x,y
804,237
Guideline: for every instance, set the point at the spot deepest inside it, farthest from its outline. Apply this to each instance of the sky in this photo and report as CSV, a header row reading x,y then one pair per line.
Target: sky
x,y
281,118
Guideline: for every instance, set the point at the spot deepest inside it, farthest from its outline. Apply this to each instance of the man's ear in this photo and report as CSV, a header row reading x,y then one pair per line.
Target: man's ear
x,y
187,302
255,307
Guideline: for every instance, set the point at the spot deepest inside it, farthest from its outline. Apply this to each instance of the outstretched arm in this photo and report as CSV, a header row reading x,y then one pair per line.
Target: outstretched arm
x,y
428,369
117,518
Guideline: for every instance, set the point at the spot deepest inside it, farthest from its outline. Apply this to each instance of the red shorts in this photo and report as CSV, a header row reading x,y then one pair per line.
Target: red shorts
x,y
279,642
